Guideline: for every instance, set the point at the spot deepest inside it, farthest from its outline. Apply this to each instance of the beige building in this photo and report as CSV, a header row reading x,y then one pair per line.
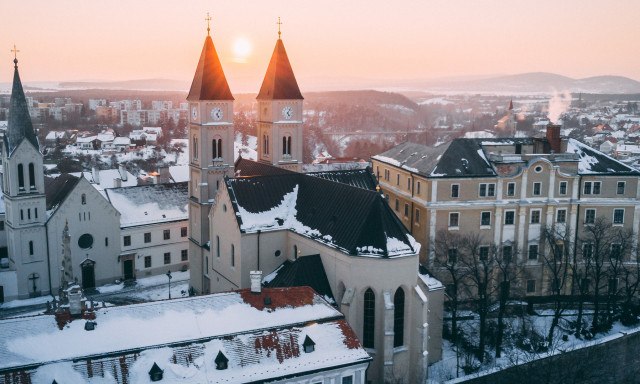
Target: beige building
x,y
507,191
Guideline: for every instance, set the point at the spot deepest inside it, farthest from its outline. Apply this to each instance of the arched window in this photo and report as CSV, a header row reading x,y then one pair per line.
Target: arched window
x,y
32,176
195,148
398,318
265,142
286,145
20,177
31,248
216,148
83,199
233,255
218,247
369,322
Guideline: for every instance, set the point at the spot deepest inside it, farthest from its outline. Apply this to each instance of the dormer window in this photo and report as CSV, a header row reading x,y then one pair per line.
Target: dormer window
x,y
221,361
308,345
155,374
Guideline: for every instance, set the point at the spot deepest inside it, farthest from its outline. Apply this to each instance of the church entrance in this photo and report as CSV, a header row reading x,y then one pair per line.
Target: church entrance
x,y
128,266
128,269
88,274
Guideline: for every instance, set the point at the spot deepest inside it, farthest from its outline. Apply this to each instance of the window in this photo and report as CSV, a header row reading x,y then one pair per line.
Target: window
x,y
233,255
591,187
537,189
587,251
147,261
620,188
218,247
126,240
20,177
28,213
167,257
618,216
347,380
558,251
147,237
166,234
183,232
408,183
195,148
106,241
613,285
561,216
398,179
417,216
184,255
454,219
398,318
533,251
397,205
286,145
483,253
535,216
509,217
511,189
538,169
387,174
83,199
369,318
31,248
507,253
452,255
35,212
21,214
563,188
32,176
487,190
216,149
206,267
406,210
418,187
1,225
531,286
589,216
616,251
455,190
485,218
265,144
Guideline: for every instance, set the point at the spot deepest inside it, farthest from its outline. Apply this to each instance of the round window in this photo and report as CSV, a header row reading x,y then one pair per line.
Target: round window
x,y
85,241
538,169
277,253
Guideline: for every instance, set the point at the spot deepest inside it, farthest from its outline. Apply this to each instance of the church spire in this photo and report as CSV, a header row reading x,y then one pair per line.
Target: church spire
x,y
279,82
209,81
20,126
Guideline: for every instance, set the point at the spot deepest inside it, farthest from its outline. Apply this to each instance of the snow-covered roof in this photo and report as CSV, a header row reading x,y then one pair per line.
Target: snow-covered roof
x,y
53,135
122,141
595,162
179,173
150,204
86,139
183,337
106,137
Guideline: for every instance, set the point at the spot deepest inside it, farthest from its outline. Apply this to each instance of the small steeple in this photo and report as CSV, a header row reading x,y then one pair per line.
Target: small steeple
x,y
19,126
209,81
279,82
510,105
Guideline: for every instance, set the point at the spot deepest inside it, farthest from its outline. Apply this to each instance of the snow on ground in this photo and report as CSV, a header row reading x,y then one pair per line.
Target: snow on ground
x,y
248,151
25,302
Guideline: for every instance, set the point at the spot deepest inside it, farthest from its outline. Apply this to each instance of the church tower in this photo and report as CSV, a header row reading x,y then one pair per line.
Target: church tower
x,y
211,147
280,113
24,197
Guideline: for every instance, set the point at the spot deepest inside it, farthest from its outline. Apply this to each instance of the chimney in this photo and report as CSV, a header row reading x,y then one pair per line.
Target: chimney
x,y
117,182
123,172
256,281
164,175
96,175
553,137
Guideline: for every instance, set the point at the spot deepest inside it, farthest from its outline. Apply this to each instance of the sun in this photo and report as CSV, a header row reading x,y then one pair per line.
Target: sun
x,y
242,48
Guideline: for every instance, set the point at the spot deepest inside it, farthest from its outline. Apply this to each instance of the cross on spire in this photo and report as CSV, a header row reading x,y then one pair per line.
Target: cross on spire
x,y
279,24
208,18
15,54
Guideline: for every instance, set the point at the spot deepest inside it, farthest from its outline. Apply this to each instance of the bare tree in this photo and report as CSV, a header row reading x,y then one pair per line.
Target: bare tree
x,y
630,275
619,253
506,260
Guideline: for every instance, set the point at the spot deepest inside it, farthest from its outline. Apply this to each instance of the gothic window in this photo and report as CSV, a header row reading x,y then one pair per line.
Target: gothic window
x,y
286,145
32,176
28,213
233,255
398,318
218,247
20,177
21,214
195,148
216,147
83,199
369,318
265,144
31,248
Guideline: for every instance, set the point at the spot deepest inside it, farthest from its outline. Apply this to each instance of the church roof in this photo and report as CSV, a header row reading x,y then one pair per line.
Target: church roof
x,y
248,168
19,126
279,82
353,220
306,271
209,81
57,189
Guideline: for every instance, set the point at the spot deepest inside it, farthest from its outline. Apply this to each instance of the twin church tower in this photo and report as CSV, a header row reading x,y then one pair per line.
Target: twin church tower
x,y
211,130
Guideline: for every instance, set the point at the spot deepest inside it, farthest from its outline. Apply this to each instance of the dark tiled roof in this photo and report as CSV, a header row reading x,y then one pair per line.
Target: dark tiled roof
x,y
248,168
595,162
361,178
209,82
413,157
57,189
305,271
463,158
354,220
19,126
279,82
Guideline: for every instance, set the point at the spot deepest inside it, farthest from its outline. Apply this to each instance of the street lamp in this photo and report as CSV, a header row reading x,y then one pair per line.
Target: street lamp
x,y
169,276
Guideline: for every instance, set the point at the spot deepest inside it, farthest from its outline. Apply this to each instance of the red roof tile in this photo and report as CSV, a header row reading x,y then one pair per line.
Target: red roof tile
x,y
279,82
209,82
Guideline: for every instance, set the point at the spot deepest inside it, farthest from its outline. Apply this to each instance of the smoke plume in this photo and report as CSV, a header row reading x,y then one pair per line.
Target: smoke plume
x,y
558,104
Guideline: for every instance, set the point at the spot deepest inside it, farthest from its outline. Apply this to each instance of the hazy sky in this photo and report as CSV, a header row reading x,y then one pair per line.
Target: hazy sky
x,y
327,41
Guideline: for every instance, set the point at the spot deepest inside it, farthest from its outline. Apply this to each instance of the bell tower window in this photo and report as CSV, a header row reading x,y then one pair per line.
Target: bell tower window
x,y
286,146
195,148
216,147
20,177
265,142
32,176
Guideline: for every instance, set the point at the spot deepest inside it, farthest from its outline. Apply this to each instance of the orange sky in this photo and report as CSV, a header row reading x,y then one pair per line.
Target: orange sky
x,y
327,41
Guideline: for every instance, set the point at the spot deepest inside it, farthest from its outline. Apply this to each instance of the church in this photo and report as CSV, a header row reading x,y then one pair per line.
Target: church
x,y
332,231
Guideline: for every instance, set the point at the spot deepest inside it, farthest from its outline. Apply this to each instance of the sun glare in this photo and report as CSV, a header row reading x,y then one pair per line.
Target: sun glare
x,y
241,48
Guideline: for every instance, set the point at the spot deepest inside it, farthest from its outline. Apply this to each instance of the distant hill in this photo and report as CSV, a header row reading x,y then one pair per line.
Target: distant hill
x,y
143,84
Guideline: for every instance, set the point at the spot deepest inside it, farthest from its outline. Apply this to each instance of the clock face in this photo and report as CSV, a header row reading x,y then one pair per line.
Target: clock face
x,y
194,113
216,114
287,112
